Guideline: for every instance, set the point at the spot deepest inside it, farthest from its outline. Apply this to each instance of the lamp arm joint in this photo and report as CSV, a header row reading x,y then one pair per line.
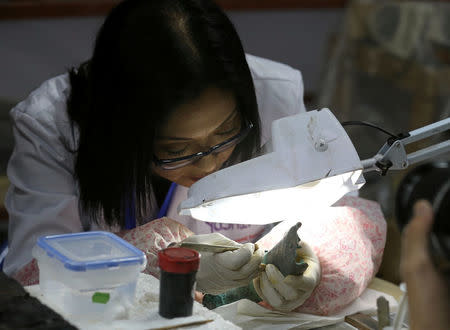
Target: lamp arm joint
x,y
393,154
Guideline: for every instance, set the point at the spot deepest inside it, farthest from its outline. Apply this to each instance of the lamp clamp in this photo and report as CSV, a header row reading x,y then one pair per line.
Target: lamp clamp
x,y
393,154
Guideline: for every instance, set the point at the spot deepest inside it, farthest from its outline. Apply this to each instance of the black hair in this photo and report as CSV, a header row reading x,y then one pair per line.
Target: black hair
x,y
150,57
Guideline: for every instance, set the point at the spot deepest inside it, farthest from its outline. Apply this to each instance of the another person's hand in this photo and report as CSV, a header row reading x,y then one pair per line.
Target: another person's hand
x,y
287,293
219,272
428,292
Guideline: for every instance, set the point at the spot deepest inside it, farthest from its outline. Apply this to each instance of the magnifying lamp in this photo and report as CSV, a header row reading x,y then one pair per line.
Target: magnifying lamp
x,y
310,164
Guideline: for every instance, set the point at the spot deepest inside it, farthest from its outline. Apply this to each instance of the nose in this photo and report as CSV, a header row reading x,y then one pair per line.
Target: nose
x,y
207,163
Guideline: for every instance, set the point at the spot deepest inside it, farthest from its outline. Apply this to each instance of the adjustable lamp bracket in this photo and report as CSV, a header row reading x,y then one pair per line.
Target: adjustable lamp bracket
x,y
393,154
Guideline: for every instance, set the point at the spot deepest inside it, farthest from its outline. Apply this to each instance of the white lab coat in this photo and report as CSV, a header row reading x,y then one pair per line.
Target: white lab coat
x,y
43,196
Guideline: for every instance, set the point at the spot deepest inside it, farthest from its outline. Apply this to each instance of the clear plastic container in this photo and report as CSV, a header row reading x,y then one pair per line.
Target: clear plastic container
x,y
90,274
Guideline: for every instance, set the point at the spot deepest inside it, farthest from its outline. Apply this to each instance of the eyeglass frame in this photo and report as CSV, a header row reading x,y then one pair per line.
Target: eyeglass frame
x,y
238,137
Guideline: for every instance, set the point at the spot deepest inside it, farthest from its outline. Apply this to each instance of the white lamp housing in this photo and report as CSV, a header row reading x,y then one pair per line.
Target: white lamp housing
x,y
312,165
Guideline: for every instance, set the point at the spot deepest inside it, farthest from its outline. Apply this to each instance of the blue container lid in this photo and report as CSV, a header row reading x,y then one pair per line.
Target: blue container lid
x,y
91,250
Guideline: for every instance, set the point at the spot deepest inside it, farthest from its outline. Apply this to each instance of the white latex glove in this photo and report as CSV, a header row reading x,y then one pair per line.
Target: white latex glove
x,y
287,293
219,272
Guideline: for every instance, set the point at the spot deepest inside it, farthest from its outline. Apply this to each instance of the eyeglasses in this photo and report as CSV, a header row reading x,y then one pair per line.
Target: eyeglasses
x,y
174,163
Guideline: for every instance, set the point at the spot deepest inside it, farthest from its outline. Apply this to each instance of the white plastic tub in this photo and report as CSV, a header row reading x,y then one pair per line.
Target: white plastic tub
x,y
88,274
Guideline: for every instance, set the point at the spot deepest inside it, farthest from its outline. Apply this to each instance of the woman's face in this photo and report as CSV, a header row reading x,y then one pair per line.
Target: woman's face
x,y
194,127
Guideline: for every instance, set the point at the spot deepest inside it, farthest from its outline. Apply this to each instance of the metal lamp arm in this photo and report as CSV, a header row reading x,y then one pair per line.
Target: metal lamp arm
x,y
393,154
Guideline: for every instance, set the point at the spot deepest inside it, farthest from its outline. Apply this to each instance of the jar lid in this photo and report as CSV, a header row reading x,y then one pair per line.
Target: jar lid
x,y
178,260
86,251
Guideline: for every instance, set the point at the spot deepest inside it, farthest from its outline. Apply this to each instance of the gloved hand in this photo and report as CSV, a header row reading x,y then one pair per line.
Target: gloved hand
x,y
219,272
287,293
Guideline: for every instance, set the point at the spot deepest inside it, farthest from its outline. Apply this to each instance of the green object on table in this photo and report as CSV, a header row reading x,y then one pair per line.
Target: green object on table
x,y
244,292
100,297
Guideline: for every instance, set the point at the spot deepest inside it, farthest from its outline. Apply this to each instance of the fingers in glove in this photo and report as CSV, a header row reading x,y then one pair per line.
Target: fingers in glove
x,y
247,272
235,259
277,279
268,291
214,239
257,286
271,296
306,254
302,282
251,269
305,250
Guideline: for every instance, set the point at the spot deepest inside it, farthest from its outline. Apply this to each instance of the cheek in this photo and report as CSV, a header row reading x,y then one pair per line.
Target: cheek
x,y
180,176
223,156
171,175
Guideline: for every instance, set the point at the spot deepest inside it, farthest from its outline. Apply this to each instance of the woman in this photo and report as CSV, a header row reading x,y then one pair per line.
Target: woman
x,y
167,97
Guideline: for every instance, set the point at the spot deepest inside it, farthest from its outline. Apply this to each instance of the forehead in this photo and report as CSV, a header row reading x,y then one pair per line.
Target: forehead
x,y
200,116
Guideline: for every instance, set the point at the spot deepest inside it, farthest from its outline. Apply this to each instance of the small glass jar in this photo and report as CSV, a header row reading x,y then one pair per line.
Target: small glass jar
x,y
177,283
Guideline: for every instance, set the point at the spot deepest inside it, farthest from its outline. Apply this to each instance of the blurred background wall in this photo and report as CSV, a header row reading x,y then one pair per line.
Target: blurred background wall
x,y
33,50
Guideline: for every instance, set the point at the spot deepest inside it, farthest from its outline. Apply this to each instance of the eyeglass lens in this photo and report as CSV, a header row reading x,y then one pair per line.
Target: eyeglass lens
x,y
185,162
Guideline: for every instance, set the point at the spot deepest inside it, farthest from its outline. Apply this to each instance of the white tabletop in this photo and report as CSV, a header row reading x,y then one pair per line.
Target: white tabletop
x,y
243,314
143,314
